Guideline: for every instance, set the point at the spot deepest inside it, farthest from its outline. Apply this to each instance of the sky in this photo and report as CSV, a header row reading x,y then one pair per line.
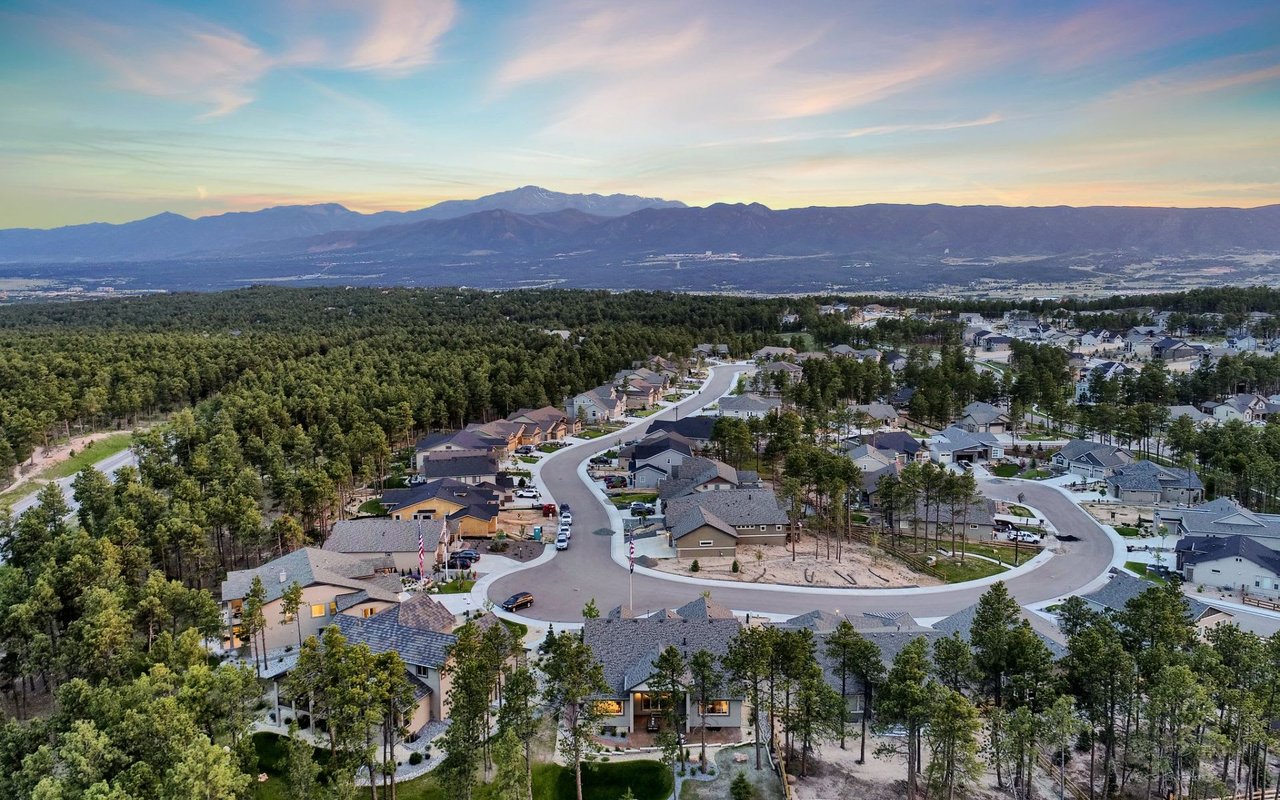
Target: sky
x,y
111,111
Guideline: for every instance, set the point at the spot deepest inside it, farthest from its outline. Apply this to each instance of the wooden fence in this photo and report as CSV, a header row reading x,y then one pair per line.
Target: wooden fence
x,y
1260,603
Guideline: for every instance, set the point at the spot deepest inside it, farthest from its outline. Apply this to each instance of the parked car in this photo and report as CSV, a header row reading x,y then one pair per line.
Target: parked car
x,y
638,508
1023,536
468,554
455,562
601,460
562,542
630,442
524,450
566,518
564,507
528,494
416,480
566,530
615,482
518,601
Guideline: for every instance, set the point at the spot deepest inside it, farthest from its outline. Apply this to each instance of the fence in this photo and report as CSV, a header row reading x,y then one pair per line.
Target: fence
x,y
1260,603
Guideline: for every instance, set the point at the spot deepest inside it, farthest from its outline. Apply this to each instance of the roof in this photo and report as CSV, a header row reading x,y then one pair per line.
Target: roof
x,y
735,507
663,443
1194,413
384,633
783,366
826,621
443,488
627,647
1198,549
961,623
461,465
956,438
1223,517
880,411
309,566
749,402
899,441
383,535
545,417
698,517
983,413
865,452
1148,476
1116,593
773,352
1095,454
703,609
693,472
698,427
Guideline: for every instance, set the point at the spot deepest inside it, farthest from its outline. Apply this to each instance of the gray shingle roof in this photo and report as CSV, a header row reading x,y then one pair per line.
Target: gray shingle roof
x,y
696,518
696,427
693,472
1197,549
1116,593
961,622
1095,454
383,633
384,535
703,609
459,466
749,402
982,413
626,648
309,566
447,488
1147,476
735,507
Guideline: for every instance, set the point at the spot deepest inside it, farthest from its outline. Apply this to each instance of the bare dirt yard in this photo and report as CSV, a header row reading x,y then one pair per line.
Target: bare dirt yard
x,y
1123,514
859,565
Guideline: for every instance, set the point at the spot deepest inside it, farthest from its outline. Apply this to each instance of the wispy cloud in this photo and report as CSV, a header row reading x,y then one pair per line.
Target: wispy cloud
x,y
180,56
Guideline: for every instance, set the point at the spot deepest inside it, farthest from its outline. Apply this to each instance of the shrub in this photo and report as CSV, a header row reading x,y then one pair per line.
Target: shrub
x,y
415,758
740,788
736,566
694,566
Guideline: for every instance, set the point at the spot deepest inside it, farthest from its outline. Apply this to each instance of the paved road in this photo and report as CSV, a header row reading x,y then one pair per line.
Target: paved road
x,y
107,466
585,571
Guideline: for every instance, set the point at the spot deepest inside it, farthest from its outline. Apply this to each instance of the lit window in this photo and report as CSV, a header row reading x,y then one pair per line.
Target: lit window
x,y
715,708
333,606
317,610
609,708
369,612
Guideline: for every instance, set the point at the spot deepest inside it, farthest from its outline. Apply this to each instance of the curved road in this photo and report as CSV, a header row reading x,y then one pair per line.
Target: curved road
x,y
564,584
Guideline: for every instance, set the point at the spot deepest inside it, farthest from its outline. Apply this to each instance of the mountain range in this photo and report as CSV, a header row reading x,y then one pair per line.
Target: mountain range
x,y
532,236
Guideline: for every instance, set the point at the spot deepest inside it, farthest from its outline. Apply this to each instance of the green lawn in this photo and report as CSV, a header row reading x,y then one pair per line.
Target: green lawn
x,y
548,447
627,498
530,459
1004,554
520,473
1005,470
372,507
456,586
861,519
1141,569
1036,474
648,412
1128,530
800,342
972,569
592,433
648,780
672,398
1020,511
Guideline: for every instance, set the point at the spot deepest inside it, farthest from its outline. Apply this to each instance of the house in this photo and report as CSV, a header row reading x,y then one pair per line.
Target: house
x,y
870,459
1221,517
640,394
970,318
955,445
790,371
901,397
601,404
696,429
1197,416
1106,371
396,539
698,474
975,522
1122,587
1244,407
869,354
773,353
1233,563
550,423
880,413
654,457
1241,344
627,646
843,351
1170,349
747,406
997,344
1091,460
1148,483
464,441
896,362
973,335
979,417
904,447
421,630
332,584
465,466
1139,341
707,350
1101,339
715,523
473,509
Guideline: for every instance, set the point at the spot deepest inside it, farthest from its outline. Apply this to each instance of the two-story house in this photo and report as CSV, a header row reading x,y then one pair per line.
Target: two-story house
x,y
375,538
601,404
473,510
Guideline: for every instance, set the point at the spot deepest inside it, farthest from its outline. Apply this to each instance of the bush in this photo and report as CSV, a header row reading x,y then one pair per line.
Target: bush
x,y
736,566
415,758
740,788
694,566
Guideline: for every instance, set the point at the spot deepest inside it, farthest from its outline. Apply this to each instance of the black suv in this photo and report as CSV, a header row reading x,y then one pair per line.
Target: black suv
x,y
517,601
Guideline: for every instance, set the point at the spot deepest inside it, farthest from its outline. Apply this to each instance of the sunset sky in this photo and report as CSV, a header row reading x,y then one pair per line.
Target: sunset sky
x,y
117,110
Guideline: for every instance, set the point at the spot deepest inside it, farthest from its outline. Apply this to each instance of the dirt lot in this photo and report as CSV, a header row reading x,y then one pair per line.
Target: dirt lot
x,y
1124,515
773,564
516,549
519,524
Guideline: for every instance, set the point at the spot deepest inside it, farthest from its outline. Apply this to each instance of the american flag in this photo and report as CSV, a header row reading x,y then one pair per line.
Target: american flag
x,y
631,555
422,554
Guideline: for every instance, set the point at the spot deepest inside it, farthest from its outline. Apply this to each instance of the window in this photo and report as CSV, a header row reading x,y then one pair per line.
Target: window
x,y
419,669
764,527
715,708
706,543
647,701
369,612
333,606
609,708
317,610
777,527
